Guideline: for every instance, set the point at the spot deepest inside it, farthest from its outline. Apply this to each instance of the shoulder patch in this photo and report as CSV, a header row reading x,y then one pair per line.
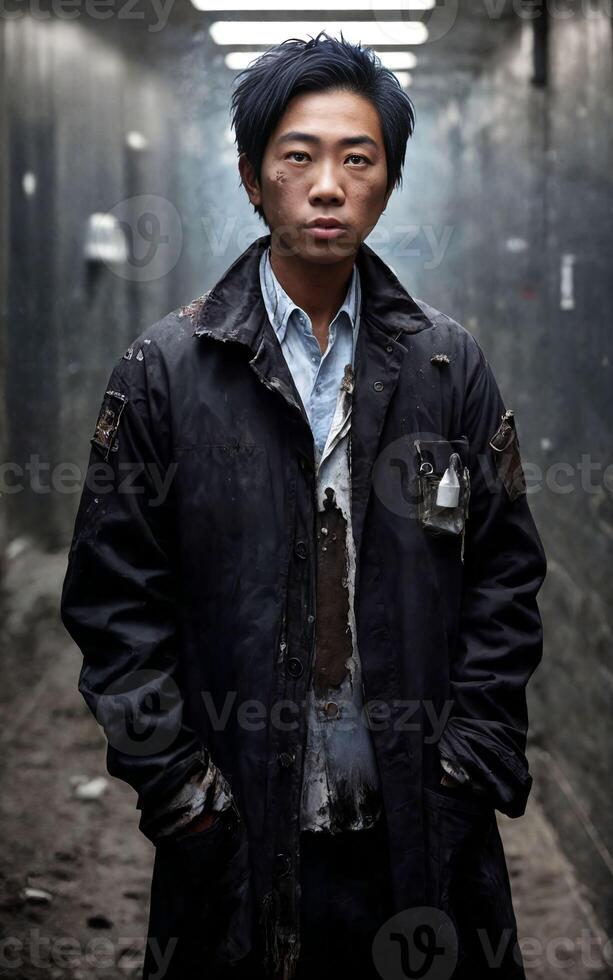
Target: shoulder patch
x,y
105,433
505,444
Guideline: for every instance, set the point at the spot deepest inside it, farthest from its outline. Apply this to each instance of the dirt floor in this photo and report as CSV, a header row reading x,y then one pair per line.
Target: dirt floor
x,y
87,867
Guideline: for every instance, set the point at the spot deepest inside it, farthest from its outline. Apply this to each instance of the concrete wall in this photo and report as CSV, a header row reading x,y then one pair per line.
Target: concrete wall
x,y
521,177
3,286
72,96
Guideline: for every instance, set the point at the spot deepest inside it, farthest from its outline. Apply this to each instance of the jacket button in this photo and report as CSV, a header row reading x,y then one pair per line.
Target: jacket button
x,y
301,549
283,864
285,759
389,348
294,667
378,385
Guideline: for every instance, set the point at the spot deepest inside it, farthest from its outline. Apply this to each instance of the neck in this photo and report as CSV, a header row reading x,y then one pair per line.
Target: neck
x,y
317,289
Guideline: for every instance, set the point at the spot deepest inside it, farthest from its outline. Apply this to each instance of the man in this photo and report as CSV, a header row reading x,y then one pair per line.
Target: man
x,y
306,594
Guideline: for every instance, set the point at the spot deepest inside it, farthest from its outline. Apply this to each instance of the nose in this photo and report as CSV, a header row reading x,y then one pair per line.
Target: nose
x,y
327,185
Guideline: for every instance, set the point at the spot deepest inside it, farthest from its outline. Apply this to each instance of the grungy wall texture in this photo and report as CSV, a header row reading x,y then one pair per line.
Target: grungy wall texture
x,y
520,179
71,99
3,287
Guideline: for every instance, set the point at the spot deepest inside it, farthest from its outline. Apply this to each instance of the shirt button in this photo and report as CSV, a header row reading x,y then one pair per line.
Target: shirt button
x,y
310,618
294,667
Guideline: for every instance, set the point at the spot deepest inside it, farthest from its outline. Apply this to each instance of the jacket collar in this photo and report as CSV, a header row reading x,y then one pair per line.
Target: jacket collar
x,y
280,306
234,309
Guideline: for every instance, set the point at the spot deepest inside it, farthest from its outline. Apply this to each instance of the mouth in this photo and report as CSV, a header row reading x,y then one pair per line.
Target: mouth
x,y
326,228
322,233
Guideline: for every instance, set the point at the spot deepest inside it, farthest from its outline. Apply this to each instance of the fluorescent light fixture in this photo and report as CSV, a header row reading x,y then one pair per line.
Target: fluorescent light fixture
x,y
333,5
369,32
237,60
398,59
404,77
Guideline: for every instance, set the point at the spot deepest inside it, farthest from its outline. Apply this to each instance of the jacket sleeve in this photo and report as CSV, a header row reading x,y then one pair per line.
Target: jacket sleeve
x,y
500,640
118,599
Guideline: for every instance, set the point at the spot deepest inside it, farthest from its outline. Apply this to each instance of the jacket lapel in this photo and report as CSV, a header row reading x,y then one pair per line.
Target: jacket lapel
x,y
389,317
234,311
378,360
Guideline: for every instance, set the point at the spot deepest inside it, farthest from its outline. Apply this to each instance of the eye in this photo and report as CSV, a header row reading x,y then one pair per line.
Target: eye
x,y
296,153
358,156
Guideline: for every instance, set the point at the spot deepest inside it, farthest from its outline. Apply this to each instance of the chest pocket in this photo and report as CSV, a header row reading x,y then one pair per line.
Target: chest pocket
x,y
443,481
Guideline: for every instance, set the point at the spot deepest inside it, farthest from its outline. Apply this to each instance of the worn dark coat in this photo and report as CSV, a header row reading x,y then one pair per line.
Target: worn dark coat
x,y
189,603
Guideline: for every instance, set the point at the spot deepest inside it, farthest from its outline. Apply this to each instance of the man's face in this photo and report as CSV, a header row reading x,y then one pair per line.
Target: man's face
x,y
325,159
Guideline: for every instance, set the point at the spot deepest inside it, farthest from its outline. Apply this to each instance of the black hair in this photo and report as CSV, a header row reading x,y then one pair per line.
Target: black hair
x,y
296,66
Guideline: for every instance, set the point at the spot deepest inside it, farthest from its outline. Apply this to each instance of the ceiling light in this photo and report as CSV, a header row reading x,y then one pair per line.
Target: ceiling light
x,y
397,59
238,60
404,77
275,31
319,5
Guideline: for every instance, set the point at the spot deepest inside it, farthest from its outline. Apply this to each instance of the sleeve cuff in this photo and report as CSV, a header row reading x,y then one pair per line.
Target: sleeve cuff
x,y
202,790
458,773
455,770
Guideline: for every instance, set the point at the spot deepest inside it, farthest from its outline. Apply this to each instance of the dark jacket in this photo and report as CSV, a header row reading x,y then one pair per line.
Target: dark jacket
x,y
194,610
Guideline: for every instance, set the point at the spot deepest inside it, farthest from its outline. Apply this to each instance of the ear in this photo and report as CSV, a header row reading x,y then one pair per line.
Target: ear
x,y
249,180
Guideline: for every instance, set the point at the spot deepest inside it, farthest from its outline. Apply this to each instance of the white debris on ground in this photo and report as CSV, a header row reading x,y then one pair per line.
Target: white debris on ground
x,y
90,789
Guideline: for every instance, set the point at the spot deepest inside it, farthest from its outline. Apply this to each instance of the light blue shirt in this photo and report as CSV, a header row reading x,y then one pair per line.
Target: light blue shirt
x,y
317,376
340,789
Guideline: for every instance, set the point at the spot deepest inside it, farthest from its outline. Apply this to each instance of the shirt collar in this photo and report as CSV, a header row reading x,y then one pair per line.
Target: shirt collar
x,y
280,306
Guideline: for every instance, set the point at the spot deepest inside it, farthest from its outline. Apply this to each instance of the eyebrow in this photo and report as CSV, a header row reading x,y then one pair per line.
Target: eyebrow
x,y
345,141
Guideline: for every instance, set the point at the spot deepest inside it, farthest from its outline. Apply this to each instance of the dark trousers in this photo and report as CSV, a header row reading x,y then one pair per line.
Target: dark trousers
x,y
344,900
346,897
